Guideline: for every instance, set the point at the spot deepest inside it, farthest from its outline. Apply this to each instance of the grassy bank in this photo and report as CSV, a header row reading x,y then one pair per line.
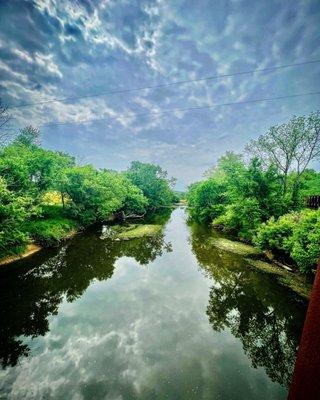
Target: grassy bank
x,y
137,231
51,228
51,232
24,252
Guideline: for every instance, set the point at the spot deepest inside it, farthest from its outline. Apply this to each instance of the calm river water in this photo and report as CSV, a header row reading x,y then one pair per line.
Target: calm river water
x,y
169,317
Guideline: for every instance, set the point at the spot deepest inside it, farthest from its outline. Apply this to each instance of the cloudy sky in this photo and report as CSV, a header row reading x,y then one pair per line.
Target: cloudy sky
x,y
52,49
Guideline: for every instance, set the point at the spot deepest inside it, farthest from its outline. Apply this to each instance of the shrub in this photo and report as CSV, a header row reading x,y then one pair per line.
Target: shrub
x,y
274,234
305,242
296,234
241,218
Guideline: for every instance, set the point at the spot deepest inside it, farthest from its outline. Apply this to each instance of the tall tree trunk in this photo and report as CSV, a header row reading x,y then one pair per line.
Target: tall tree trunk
x,y
295,192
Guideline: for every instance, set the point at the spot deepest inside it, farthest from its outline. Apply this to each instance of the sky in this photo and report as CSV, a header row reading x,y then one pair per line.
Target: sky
x,y
54,49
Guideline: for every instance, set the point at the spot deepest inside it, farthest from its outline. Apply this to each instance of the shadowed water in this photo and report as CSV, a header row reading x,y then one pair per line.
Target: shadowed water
x,y
168,317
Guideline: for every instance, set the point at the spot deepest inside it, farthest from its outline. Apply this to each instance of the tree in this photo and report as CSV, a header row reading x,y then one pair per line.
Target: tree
x,y
154,183
96,195
237,197
30,169
290,147
14,210
134,203
28,136
310,183
263,185
206,200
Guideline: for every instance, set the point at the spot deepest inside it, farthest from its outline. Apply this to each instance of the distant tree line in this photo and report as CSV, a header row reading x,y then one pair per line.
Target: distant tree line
x,y
262,200
44,194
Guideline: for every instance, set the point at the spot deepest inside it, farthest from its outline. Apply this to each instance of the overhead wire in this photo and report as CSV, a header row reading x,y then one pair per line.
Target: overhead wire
x,y
182,109
163,85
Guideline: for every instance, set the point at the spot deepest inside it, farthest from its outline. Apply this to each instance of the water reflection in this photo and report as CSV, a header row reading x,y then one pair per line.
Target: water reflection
x,y
91,321
31,291
250,304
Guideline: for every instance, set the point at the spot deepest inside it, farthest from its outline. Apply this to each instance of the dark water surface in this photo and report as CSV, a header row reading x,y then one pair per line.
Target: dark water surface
x,y
169,317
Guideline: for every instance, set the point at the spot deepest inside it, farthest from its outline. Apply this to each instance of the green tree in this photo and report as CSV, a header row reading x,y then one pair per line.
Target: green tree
x,y
14,211
290,147
310,184
154,183
96,195
237,197
206,200
30,169
134,203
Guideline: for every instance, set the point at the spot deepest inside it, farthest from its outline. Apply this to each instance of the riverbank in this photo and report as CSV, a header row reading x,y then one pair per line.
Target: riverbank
x,y
33,248
59,233
255,258
29,250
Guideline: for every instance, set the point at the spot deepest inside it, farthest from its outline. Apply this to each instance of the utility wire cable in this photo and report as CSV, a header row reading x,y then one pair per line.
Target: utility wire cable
x,y
171,110
187,81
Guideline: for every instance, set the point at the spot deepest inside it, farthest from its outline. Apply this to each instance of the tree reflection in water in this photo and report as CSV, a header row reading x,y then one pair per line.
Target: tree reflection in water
x,y
32,290
267,317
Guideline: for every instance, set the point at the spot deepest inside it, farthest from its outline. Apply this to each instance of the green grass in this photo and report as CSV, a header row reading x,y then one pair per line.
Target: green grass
x,y
50,232
12,251
138,231
235,247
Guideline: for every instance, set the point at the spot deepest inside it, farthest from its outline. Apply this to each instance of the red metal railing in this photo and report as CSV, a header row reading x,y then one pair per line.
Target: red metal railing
x,y
306,377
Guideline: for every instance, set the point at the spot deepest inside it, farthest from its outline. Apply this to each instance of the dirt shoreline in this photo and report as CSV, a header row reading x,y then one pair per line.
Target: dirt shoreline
x,y
266,263
33,248
30,249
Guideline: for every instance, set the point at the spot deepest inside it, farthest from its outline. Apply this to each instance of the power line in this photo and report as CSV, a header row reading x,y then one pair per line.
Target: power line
x,y
171,110
122,91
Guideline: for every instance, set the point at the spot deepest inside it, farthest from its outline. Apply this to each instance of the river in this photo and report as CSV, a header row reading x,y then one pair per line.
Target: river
x,y
165,317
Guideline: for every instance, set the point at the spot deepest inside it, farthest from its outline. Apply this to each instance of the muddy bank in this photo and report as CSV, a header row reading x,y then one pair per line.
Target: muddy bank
x,y
33,248
30,249
257,259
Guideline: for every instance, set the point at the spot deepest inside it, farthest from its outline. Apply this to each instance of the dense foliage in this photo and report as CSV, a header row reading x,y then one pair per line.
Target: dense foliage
x,y
255,200
44,195
296,234
153,181
14,210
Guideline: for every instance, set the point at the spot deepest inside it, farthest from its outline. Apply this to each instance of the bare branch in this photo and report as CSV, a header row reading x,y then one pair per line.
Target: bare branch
x,y
5,128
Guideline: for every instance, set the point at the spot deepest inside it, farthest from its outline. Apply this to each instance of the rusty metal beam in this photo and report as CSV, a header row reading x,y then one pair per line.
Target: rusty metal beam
x,y
305,383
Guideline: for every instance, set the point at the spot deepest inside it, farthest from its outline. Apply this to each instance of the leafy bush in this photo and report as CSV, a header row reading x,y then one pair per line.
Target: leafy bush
x,y
241,218
296,234
305,242
274,234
